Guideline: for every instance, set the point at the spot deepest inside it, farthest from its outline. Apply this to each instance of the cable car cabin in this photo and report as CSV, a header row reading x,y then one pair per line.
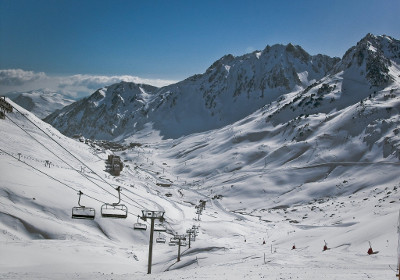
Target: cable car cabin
x,y
115,210
160,228
82,212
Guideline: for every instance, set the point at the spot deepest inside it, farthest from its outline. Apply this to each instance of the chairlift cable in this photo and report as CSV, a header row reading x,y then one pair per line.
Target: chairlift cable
x,y
71,166
71,155
51,177
55,179
57,155
101,178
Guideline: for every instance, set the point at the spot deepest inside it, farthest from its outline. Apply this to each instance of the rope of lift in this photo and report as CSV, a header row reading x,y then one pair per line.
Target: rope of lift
x,y
73,167
72,156
55,179
56,155
44,173
101,178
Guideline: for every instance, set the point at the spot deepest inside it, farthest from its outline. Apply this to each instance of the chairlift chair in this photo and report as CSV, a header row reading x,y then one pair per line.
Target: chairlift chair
x,y
139,226
114,210
160,228
160,239
174,240
172,243
83,212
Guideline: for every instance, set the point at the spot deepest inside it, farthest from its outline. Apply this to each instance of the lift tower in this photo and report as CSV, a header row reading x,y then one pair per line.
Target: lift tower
x,y
152,215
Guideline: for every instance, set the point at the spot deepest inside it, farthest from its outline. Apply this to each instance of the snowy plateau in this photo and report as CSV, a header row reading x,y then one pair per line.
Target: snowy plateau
x,y
295,150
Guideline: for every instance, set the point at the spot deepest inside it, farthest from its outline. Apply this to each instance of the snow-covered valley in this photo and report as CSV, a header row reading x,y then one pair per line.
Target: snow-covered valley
x,y
316,166
255,190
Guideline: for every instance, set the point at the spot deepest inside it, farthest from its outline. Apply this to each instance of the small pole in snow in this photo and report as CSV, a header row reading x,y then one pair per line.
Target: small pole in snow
x,y
179,250
264,258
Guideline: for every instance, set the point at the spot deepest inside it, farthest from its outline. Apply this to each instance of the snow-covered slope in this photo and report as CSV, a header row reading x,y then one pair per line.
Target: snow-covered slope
x,y
321,176
230,89
317,164
42,102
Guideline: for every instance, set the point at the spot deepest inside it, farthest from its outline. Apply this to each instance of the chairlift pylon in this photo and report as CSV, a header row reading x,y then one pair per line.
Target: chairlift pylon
x,y
139,226
114,210
83,212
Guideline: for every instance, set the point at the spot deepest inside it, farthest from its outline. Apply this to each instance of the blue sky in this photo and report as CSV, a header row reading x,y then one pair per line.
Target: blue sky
x,y
172,40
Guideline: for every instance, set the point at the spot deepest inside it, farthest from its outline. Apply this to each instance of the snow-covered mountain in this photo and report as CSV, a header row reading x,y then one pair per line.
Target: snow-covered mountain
x,y
42,102
317,164
326,177
108,113
230,89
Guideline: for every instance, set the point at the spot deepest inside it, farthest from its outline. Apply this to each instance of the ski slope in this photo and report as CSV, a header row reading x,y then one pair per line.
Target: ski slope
x,y
256,189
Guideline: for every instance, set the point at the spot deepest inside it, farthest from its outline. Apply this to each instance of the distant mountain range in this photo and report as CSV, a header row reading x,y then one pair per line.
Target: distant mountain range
x,y
233,88
42,102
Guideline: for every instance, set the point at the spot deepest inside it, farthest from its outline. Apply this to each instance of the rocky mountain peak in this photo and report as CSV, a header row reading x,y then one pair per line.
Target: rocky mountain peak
x,y
232,88
372,57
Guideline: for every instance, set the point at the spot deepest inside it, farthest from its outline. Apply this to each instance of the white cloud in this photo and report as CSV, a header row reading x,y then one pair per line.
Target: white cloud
x,y
95,82
18,77
17,80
